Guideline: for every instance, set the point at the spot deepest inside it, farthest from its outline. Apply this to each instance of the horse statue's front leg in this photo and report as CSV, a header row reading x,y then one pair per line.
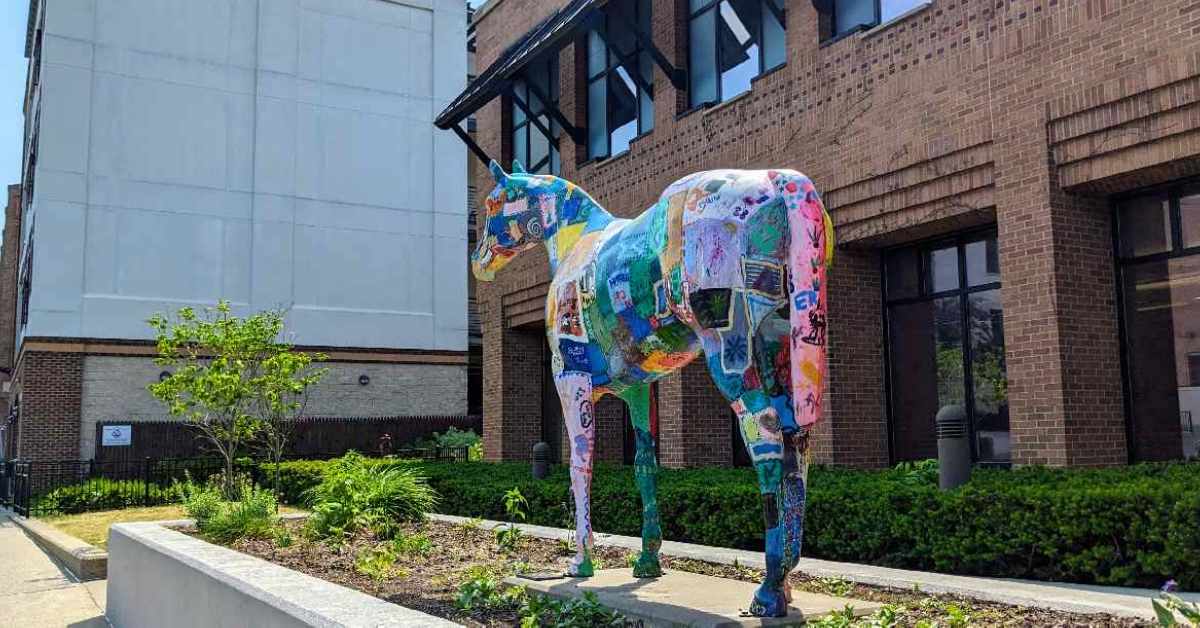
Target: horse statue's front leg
x,y
646,473
575,394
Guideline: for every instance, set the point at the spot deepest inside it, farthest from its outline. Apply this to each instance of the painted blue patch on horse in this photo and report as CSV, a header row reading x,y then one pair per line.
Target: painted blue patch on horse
x,y
596,359
574,355
767,449
805,299
639,327
783,408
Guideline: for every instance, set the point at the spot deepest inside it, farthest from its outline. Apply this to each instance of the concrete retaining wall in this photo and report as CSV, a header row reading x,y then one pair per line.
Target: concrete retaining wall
x,y
158,576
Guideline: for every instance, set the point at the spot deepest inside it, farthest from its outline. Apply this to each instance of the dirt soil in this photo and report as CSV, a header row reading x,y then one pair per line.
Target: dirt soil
x,y
428,582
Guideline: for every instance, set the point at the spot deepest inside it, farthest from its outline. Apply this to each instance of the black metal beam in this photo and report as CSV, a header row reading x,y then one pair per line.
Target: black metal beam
x,y
576,133
677,76
466,138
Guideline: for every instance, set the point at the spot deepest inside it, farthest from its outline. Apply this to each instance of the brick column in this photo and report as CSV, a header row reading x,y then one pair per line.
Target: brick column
x,y
854,430
512,390
51,387
694,421
1060,320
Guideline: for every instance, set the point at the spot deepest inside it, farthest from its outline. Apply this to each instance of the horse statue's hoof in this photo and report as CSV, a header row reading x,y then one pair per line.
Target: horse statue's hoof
x,y
581,569
768,603
647,566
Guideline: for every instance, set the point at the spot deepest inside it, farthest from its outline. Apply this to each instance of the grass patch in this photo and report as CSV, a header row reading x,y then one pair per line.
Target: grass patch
x,y
92,527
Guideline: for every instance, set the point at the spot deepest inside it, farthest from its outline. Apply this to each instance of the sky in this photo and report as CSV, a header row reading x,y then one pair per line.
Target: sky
x,y
13,15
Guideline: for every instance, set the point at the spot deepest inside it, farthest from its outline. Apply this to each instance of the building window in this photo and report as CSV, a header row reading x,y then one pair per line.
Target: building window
x,y
945,329
620,84
730,42
852,15
1158,251
27,282
537,89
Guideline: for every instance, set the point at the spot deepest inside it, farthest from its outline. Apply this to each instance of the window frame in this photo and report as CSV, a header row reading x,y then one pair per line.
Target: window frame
x,y
924,294
1173,191
758,39
877,21
614,59
551,67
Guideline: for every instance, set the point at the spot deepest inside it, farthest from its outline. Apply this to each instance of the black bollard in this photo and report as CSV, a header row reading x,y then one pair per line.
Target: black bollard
x,y
954,451
541,462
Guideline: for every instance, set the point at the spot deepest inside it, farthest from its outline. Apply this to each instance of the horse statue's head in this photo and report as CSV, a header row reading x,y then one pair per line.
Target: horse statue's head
x,y
513,221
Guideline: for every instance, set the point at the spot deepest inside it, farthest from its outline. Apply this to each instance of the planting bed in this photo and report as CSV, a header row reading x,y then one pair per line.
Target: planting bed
x,y
428,581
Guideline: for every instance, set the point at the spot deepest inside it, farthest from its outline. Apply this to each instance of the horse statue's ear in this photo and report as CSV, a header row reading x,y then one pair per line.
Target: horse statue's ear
x,y
497,172
517,168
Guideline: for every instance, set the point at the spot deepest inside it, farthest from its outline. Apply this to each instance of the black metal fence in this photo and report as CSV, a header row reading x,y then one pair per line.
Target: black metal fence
x,y
38,488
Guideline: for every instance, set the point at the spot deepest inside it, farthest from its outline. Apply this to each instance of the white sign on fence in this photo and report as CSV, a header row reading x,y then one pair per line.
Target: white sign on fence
x,y
117,435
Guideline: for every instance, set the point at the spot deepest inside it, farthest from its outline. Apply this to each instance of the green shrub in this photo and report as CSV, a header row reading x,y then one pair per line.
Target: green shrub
x,y
356,493
1132,526
100,494
252,515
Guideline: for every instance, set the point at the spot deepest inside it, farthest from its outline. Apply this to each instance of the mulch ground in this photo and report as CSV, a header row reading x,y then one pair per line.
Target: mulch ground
x,y
428,582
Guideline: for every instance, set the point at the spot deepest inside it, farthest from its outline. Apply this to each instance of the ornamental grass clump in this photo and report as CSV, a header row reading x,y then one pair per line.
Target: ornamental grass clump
x,y
356,494
250,515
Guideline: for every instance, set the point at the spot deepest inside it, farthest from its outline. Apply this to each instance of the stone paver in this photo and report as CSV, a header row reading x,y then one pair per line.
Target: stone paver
x,y
679,598
1076,598
36,593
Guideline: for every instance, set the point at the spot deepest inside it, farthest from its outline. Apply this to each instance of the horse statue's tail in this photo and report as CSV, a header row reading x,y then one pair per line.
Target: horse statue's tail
x,y
810,252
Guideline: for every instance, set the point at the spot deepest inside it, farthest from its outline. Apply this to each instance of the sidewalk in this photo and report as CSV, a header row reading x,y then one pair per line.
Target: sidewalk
x,y
1077,598
36,593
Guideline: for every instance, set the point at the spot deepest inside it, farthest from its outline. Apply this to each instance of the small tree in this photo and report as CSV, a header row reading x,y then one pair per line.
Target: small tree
x,y
282,392
225,370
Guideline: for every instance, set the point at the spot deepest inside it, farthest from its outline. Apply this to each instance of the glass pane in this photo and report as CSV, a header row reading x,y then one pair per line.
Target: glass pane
x,y
903,274
696,5
520,145
774,42
943,269
983,262
553,78
948,338
597,125
914,385
989,376
702,59
555,163
621,40
623,108
645,99
890,9
539,151
848,14
1162,321
1145,225
597,51
1189,216
518,111
738,38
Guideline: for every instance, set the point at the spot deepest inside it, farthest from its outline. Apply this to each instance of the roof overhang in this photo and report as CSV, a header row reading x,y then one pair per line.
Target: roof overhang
x,y
547,37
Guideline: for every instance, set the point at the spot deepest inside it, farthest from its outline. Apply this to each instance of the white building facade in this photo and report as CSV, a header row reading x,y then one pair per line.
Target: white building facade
x,y
274,153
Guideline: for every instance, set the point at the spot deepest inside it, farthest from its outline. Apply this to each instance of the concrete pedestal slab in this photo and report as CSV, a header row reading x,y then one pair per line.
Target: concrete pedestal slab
x,y
680,598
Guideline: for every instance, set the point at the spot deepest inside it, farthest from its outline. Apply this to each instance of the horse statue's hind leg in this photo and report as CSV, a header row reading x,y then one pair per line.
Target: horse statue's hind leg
x,y
637,397
779,466
575,394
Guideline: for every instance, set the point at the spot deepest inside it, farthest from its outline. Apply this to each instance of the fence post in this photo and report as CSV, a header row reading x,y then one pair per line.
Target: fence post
x,y
146,482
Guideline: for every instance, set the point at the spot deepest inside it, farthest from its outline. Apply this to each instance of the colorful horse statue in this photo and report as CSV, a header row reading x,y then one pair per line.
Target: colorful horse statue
x,y
728,263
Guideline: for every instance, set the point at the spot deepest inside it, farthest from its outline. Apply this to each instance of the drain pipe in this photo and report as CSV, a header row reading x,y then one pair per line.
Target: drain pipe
x,y
954,451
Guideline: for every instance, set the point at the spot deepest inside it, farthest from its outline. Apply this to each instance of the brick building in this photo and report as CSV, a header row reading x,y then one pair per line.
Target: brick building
x,y
1009,181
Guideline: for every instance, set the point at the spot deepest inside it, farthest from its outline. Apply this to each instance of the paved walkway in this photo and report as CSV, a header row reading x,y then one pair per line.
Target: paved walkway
x,y
36,593
1078,598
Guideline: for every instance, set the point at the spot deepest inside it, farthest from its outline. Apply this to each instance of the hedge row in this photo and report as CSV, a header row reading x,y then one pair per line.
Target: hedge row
x,y
1132,526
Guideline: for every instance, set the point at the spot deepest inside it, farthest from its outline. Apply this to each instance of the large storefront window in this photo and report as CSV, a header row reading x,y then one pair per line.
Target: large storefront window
x,y
1159,253
945,331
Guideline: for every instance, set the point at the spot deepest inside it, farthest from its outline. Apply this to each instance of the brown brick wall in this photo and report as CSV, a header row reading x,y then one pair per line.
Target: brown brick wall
x,y
50,386
1021,113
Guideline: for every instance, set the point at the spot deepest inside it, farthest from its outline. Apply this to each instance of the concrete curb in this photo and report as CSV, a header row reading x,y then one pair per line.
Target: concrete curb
x,y
162,576
83,560
1074,598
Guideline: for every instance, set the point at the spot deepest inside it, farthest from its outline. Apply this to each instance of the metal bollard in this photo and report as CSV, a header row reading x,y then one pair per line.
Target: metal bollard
x,y
541,460
954,451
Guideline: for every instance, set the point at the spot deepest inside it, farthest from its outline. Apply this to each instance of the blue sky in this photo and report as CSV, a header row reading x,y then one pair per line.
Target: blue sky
x,y
13,14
